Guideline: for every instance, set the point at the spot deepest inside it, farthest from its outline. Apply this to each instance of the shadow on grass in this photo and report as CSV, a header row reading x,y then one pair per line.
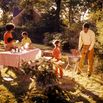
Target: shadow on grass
x,y
65,92
19,86
70,86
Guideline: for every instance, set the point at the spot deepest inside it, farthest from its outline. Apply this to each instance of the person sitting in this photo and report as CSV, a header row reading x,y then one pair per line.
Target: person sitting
x,y
8,34
25,40
56,53
10,45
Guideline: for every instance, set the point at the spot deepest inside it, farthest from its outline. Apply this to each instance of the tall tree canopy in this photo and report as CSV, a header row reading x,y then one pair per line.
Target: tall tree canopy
x,y
64,12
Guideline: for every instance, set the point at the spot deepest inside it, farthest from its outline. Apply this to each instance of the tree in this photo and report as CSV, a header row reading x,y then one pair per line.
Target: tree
x,y
57,16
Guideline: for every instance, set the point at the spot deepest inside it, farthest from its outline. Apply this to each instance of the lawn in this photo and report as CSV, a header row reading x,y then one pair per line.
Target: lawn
x,y
77,88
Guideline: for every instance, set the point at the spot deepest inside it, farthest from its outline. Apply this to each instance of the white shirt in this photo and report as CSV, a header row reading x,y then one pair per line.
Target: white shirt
x,y
86,39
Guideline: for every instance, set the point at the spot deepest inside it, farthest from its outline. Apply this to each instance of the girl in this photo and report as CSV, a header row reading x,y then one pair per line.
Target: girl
x,y
57,55
25,40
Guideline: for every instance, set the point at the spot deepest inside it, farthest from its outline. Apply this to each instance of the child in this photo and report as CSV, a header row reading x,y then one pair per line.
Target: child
x,y
56,51
57,55
8,33
25,39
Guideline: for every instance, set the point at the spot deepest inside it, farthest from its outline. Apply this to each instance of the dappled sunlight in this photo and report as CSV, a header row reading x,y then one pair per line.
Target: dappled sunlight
x,y
78,88
93,83
6,95
65,34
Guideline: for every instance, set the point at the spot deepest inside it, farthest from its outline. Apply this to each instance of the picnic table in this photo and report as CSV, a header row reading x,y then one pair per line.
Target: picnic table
x,y
7,58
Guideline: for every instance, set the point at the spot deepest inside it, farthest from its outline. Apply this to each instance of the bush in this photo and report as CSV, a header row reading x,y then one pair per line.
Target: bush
x,y
48,37
69,39
42,70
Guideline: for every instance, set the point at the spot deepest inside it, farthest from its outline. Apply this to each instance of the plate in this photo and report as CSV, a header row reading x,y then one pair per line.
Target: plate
x,y
7,79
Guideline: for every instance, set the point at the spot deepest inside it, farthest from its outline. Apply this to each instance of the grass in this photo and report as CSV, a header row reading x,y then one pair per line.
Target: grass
x,y
79,88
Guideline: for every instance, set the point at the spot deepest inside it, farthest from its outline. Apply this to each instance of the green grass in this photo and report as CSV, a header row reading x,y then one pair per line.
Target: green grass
x,y
79,87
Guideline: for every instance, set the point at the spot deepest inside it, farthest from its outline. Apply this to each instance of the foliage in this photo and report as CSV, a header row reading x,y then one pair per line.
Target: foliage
x,y
70,12
45,78
51,94
68,38
35,96
42,70
26,68
99,25
99,65
56,95
65,13
48,37
97,20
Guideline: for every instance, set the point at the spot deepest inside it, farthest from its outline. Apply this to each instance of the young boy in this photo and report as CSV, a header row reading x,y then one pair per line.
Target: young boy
x,y
57,55
25,39
8,33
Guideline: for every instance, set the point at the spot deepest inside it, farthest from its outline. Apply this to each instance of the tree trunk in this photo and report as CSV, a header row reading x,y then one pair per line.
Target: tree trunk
x,y
57,16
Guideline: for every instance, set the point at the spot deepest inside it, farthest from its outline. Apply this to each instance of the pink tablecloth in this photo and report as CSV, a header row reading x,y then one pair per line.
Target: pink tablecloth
x,y
15,59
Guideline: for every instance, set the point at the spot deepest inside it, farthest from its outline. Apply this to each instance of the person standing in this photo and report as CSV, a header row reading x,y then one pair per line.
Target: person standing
x,y
56,53
56,50
86,48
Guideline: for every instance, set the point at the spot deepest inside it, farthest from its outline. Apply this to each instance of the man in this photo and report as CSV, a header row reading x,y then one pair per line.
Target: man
x,y
86,47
